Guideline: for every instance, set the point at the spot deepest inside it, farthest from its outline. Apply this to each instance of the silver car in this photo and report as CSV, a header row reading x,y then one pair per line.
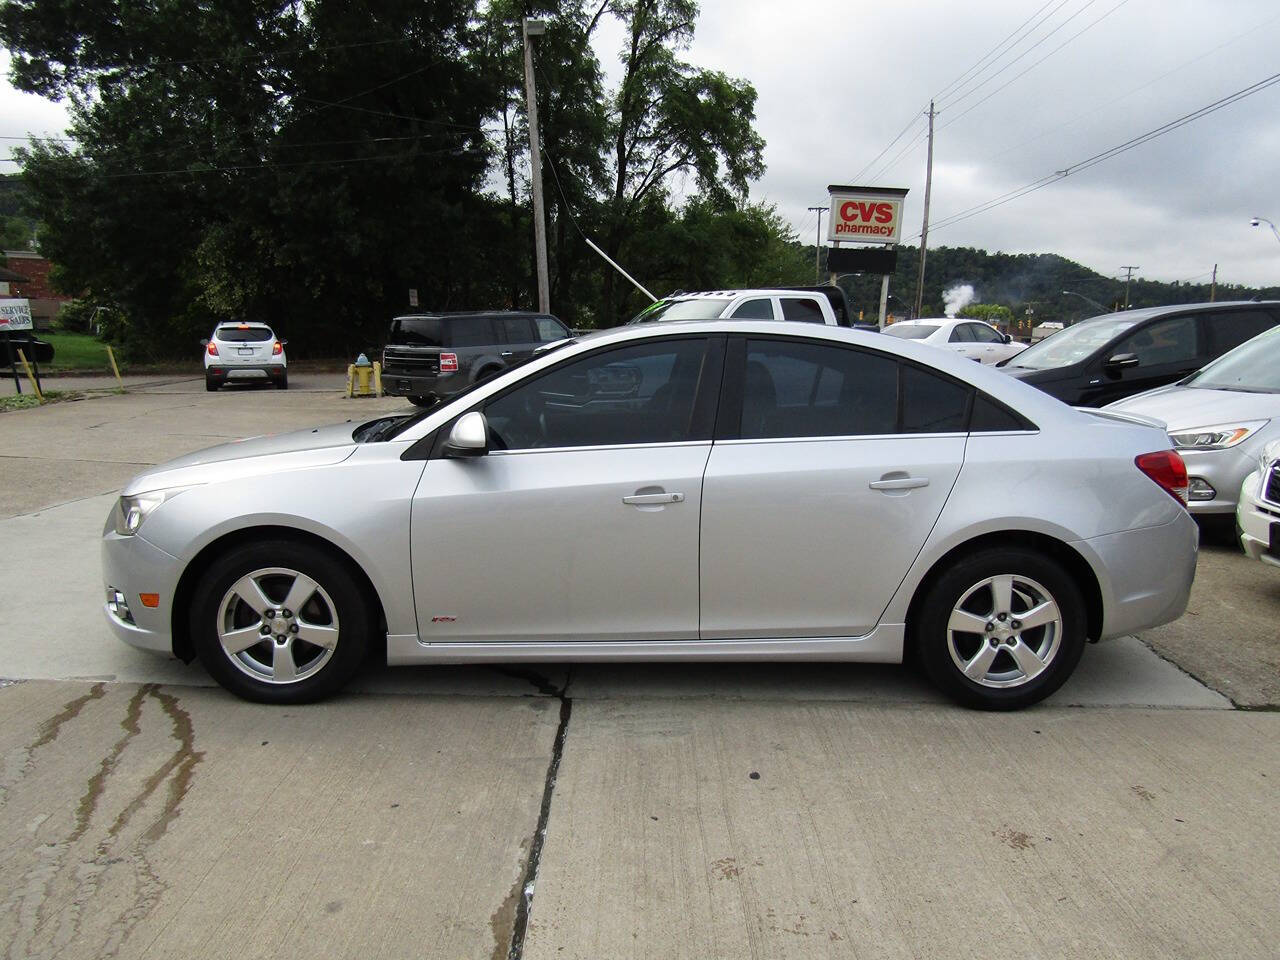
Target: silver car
x,y
687,491
1219,419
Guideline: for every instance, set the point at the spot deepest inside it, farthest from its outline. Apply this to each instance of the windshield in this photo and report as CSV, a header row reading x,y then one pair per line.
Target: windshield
x,y
395,429
1252,367
1072,344
244,334
703,308
911,331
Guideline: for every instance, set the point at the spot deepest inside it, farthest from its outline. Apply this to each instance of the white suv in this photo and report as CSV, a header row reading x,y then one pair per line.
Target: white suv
x,y
244,351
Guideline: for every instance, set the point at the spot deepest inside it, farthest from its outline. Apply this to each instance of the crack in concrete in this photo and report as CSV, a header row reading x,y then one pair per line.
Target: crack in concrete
x,y
524,905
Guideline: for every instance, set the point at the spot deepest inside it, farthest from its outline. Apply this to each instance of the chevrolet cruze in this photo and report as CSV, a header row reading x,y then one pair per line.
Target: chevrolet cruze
x,y
719,489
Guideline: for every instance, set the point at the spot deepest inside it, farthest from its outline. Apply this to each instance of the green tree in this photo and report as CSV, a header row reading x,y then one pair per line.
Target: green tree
x,y
992,313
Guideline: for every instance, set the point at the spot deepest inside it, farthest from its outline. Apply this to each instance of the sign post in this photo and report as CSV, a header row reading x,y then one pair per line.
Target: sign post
x,y
14,315
866,215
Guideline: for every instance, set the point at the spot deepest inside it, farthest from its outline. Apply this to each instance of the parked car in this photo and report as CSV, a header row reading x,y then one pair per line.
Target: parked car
x,y
1106,358
805,305
1258,513
970,338
430,356
245,352
1219,418
32,347
714,490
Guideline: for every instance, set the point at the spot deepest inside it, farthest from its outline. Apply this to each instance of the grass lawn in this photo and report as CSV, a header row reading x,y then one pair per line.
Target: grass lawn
x,y
76,351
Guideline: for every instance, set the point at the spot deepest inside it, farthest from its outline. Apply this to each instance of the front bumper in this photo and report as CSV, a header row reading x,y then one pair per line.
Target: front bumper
x,y
1256,517
1224,471
132,567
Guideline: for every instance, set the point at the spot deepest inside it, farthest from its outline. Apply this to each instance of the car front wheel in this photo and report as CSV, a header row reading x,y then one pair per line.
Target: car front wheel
x,y
280,622
1002,629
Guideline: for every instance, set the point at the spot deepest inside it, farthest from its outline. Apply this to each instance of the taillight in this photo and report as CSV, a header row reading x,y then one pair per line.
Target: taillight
x,y
448,363
213,349
277,348
1167,469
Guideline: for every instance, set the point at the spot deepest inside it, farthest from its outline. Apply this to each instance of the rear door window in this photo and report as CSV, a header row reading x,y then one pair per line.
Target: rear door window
x,y
471,332
1228,330
961,334
761,308
801,309
516,329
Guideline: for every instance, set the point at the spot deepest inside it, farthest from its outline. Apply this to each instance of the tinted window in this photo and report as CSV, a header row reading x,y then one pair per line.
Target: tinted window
x,y
515,329
984,334
961,334
549,330
418,331
910,331
814,390
1074,344
1228,330
638,394
244,334
760,309
932,404
470,332
804,310
1165,341
990,416
702,308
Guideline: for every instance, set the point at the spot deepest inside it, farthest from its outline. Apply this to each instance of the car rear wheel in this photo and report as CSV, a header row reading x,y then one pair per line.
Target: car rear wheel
x,y
279,622
211,383
1002,629
282,382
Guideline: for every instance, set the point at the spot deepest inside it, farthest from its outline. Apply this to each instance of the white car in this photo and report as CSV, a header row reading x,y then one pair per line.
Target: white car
x,y
244,351
969,338
1258,512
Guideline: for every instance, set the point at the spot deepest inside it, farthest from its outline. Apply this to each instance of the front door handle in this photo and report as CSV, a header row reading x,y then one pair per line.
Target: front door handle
x,y
506,353
645,499
899,483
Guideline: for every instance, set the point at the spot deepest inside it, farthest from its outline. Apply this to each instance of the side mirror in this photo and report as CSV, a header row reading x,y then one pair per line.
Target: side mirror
x,y
1008,338
1121,360
469,436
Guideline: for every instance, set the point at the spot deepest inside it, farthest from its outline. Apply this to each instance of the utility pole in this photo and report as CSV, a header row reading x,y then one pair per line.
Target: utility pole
x,y
1213,284
1127,277
535,28
817,245
924,232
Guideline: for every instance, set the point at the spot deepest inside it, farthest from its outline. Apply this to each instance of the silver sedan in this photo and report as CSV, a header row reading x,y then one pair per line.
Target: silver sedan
x,y
688,491
1219,419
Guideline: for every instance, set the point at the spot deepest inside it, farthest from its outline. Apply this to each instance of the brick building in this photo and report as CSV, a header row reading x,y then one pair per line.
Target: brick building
x,y
34,285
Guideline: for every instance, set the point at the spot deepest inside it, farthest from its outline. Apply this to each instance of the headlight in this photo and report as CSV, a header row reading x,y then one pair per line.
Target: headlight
x,y
132,511
1216,437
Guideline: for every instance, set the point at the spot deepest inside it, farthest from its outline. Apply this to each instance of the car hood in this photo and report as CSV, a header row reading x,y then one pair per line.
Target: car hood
x,y
1182,407
313,447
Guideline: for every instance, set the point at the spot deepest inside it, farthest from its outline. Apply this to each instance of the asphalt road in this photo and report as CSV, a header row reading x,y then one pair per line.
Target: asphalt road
x,y
709,810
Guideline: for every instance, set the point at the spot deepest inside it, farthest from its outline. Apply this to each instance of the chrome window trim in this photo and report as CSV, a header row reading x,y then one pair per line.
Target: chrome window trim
x,y
523,451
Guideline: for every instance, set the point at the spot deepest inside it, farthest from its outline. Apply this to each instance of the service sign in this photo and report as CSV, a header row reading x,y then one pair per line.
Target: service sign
x,y
15,315
865,215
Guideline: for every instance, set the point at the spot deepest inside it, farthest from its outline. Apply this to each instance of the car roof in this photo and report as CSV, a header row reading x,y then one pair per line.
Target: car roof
x,y
464,314
1145,313
241,325
745,291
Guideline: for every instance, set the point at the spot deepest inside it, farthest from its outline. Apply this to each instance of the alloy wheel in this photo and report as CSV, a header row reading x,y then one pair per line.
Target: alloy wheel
x,y
1005,631
277,625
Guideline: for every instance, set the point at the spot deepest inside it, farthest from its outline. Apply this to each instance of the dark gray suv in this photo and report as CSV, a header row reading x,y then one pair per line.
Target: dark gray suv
x,y
433,355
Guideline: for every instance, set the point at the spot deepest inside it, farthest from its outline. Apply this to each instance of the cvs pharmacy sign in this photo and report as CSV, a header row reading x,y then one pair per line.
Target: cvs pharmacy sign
x,y
865,214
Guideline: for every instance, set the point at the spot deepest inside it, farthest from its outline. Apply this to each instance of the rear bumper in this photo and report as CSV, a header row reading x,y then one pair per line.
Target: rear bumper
x,y
407,385
1148,574
234,371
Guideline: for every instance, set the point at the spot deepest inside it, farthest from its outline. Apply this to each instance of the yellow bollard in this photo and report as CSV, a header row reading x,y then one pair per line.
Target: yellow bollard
x,y
351,375
377,378
114,369
35,384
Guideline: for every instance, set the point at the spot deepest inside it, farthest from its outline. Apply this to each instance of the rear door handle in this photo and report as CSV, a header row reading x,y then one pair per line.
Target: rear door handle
x,y
642,499
506,353
899,483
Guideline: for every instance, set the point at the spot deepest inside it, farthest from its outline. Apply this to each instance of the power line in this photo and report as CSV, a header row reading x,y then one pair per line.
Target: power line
x,y
1110,153
960,79
1018,76
914,120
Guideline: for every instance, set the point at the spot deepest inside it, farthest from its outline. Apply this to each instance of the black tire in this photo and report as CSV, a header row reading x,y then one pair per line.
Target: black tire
x,y
211,383
486,372
282,382
216,606
961,590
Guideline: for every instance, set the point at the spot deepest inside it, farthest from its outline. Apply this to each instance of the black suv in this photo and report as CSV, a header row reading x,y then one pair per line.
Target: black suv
x,y
429,356
1116,355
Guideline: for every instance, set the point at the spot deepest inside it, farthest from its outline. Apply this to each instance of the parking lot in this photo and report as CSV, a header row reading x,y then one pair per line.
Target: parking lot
x,y
602,810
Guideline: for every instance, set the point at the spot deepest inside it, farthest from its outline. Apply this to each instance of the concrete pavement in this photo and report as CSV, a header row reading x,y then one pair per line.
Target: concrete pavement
x,y
646,810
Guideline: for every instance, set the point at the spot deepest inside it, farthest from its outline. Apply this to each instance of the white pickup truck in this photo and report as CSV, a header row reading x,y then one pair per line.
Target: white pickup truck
x,y
803,304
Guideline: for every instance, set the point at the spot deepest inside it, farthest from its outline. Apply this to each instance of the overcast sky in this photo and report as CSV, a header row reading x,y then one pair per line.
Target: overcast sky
x,y
838,80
